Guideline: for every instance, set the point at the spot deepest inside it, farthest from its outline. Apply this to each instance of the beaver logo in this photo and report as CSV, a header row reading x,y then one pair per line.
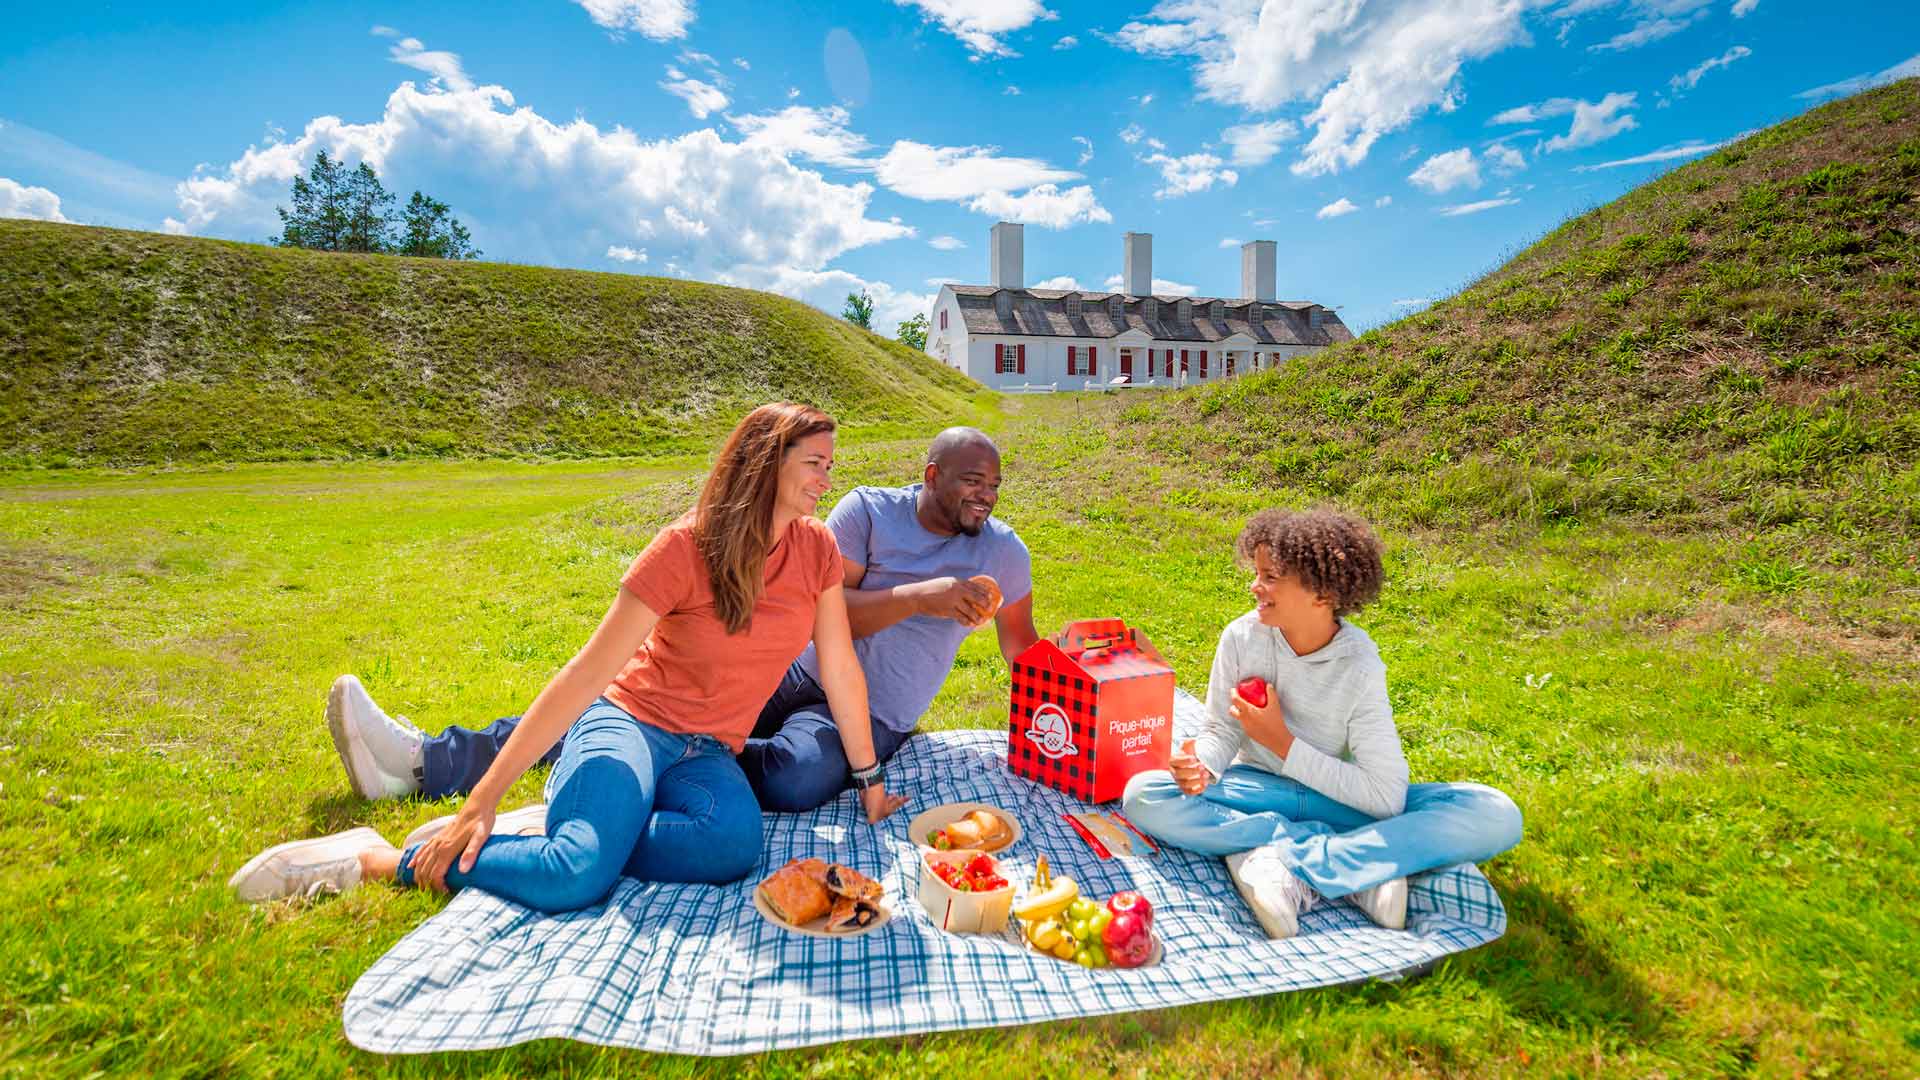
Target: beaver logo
x,y
1052,732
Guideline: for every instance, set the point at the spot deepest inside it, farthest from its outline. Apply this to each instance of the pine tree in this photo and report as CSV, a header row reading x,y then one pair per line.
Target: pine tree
x,y
429,230
318,219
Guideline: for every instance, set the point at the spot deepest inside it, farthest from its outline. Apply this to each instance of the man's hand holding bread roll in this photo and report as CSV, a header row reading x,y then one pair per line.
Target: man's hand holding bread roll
x,y
971,601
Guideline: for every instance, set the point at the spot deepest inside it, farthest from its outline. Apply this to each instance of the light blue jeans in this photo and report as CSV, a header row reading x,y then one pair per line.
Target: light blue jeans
x,y
624,798
1330,845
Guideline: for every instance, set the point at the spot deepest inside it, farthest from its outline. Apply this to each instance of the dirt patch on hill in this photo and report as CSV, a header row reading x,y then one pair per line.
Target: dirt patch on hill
x,y
27,570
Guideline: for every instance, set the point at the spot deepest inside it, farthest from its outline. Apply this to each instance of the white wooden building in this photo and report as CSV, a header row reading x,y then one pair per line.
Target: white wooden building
x,y
1011,337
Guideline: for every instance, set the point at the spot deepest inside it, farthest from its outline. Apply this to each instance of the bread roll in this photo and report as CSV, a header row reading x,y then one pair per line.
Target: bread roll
x,y
993,598
795,893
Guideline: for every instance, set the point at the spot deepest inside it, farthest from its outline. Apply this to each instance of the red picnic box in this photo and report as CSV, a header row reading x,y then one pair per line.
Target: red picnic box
x,y
1091,706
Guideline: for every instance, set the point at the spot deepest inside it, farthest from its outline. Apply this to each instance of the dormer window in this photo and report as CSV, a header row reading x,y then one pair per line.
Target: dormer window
x,y
1073,305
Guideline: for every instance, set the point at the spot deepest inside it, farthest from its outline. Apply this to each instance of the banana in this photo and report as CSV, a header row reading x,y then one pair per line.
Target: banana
x,y
1044,934
1049,902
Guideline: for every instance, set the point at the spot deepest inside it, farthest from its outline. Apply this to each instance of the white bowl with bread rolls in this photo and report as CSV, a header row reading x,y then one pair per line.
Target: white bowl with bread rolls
x,y
979,826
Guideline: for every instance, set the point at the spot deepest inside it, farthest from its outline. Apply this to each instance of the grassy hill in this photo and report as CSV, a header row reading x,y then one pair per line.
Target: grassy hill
x,y
1733,347
137,347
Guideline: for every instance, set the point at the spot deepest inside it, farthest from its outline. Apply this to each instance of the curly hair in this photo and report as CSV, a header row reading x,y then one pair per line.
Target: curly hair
x,y
1335,555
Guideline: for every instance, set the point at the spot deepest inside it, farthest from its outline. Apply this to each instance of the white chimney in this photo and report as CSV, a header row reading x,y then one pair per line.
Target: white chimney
x,y
1257,277
1005,256
1136,268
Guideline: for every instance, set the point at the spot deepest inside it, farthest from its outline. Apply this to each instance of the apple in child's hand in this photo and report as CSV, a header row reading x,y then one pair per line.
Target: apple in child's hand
x,y
1128,939
1254,689
1129,901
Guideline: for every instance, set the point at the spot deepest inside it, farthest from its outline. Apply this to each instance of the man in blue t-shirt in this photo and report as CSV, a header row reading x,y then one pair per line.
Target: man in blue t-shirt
x,y
908,553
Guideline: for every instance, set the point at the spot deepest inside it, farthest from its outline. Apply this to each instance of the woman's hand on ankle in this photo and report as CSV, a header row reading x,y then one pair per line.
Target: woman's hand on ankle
x,y
460,840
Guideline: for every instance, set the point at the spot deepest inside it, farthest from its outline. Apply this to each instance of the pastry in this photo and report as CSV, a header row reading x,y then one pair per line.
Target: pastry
x,y
847,883
796,892
849,914
965,833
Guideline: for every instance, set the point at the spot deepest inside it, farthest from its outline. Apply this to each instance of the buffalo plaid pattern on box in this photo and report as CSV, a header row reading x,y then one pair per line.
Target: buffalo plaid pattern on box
x,y
1074,695
693,969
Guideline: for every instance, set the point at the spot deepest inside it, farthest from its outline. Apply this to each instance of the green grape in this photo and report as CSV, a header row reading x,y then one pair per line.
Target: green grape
x,y
1099,921
1080,929
1084,959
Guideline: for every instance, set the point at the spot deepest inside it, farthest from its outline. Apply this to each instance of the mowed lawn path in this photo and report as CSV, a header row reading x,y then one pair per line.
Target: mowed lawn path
x,y
1718,874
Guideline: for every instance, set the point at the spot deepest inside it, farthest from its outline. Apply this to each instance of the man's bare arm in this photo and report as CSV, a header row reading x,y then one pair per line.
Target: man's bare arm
x,y
870,611
1014,624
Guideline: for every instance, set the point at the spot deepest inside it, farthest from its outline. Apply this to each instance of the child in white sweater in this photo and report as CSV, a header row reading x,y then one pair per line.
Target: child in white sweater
x,y
1304,789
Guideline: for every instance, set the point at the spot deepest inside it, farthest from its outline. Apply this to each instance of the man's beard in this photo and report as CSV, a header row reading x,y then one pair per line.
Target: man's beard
x,y
959,520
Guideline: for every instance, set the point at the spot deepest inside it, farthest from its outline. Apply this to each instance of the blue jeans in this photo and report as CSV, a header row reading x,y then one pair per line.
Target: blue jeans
x,y
626,798
794,760
1330,845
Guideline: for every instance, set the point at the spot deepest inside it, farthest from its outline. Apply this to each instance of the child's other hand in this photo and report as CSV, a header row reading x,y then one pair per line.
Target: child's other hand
x,y
1266,725
1187,771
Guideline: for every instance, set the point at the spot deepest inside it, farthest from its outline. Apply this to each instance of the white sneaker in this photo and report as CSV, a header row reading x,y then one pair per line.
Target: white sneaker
x,y
529,820
1385,903
329,864
378,753
1277,896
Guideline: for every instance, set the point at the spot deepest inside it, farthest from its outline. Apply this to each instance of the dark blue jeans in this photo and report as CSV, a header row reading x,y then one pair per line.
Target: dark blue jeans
x,y
626,798
793,760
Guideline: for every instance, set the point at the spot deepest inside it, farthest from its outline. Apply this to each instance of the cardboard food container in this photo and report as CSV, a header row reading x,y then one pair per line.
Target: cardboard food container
x,y
962,912
1091,707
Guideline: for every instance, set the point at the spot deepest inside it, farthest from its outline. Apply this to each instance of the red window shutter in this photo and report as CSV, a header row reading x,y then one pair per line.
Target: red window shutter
x,y
1126,363
1093,361
1203,363
1020,354
1183,362
1229,363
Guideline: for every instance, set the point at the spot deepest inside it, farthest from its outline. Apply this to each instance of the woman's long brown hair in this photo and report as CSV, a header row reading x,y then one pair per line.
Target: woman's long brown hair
x,y
733,524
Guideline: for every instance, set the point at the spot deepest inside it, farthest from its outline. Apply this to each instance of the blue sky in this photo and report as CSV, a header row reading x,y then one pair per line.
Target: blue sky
x,y
1393,149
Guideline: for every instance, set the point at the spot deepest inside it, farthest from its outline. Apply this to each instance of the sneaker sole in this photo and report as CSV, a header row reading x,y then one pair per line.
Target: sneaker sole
x,y
526,821
253,864
346,744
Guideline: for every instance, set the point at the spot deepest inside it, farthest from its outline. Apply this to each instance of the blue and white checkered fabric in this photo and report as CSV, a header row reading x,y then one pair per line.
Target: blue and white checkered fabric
x,y
694,969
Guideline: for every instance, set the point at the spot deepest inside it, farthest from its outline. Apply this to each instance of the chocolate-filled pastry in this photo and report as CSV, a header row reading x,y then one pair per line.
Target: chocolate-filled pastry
x,y
851,884
795,893
849,915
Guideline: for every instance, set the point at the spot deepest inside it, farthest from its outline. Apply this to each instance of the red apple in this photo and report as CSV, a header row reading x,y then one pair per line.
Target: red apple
x,y
1254,689
1129,901
1129,940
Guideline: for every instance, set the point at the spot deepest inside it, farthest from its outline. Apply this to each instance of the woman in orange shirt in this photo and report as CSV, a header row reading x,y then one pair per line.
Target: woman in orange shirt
x,y
655,706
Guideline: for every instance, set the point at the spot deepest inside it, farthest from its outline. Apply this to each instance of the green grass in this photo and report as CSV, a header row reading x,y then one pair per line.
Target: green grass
x,y
1717,875
126,347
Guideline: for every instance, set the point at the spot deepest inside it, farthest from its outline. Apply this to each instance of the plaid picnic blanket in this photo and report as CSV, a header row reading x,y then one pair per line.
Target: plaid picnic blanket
x,y
693,969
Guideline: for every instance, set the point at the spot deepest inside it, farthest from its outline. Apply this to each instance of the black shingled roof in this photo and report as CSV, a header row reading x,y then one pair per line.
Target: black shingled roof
x,y
1043,313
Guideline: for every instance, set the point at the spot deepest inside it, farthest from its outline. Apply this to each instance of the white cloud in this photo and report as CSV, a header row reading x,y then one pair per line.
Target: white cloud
x,y
1528,114
1641,34
1444,172
1161,287
1692,148
1743,8
816,134
660,20
1384,200
702,98
1189,173
1065,281
1256,144
1338,208
1373,67
443,66
18,200
980,24
694,56
1905,69
793,92
828,289
741,63
1476,207
1045,205
1011,91
1504,158
1067,42
1693,75
930,173
1086,150
946,243
1143,100
626,254
1596,122
1231,241
537,191
1132,133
